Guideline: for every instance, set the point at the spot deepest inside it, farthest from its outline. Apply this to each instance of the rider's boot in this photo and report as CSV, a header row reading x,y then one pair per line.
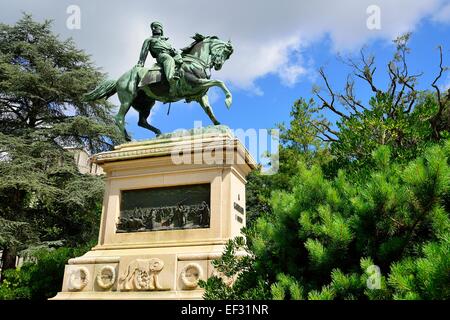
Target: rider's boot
x,y
173,86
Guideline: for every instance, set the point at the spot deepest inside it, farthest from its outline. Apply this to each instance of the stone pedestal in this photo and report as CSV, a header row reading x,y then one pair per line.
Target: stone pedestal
x,y
170,206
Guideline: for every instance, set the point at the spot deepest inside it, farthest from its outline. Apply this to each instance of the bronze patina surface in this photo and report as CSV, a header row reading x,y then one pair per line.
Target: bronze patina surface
x,y
168,208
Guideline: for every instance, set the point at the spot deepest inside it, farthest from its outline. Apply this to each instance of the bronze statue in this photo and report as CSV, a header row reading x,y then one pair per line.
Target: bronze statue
x,y
140,87
163,52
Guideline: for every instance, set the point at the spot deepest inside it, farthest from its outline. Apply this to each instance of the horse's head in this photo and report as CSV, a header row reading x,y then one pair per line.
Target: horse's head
x,y
219,51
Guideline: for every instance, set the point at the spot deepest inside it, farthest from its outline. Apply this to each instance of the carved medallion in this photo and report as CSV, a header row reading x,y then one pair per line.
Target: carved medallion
x,y
142,275
78,278
190,275
106,277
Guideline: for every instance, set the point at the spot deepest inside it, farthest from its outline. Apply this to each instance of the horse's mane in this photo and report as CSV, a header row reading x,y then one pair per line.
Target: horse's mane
x,y
197,38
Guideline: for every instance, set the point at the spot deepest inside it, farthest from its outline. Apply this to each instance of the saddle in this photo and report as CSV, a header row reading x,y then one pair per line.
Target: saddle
x,y
154,75
151,75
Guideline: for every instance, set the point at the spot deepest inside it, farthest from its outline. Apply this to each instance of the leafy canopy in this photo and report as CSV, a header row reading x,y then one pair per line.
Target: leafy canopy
x,y
44,200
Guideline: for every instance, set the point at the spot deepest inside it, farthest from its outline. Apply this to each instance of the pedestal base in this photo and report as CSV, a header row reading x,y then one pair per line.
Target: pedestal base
x,y
169,295
139,273
165,218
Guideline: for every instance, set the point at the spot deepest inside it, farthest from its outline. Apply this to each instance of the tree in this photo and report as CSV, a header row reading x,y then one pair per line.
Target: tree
x,y
43,197
367,200
41,278
325,237
299,143
399,116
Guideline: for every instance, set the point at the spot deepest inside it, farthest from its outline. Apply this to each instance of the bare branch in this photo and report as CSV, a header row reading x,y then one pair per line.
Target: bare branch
x,y
327,140
349,97
401,76
321,131
393,76
434,85
329,105
442,104
411,103
327,127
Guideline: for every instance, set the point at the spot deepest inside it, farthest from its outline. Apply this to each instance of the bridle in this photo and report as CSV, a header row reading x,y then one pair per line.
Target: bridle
x,y
193,58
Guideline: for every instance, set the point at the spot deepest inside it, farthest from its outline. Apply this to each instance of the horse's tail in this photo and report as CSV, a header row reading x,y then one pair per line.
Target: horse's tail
x,y
105,90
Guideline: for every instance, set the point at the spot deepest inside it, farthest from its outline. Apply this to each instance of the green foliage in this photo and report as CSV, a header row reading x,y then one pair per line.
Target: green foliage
x,y
42,80
359,209
427,277
285,287
405,132
325,235
326,293
41,278
44,200
299,143
236,276
258,190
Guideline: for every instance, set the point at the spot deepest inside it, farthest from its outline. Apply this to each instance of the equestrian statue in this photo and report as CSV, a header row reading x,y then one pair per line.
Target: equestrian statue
x,y
175,76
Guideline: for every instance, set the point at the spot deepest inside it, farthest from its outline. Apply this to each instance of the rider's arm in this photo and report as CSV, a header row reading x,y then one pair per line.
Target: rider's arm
x,y
176,55
144,52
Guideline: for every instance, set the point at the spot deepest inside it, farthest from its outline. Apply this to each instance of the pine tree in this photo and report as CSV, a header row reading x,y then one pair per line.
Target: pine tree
x,y
43,197
326,236
360,209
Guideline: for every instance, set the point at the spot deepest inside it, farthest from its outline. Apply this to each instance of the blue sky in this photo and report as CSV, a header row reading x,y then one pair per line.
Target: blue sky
x,y
252,110
279,46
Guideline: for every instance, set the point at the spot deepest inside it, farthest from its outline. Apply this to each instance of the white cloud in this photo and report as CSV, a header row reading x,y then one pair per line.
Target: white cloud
x,y
290,74
265,34
443,15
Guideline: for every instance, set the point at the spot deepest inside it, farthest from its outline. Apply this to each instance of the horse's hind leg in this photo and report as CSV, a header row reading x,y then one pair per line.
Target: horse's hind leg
x,y
120,119
143,115
126,94
204,102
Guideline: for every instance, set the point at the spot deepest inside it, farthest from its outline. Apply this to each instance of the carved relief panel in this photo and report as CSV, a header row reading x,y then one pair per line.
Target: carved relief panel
x,y
145,274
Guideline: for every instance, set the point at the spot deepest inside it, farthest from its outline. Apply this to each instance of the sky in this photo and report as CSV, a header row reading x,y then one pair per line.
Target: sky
x,y
278,46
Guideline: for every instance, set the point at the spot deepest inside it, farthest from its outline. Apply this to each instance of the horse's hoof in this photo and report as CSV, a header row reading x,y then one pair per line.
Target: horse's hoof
x,y
228,102
127,137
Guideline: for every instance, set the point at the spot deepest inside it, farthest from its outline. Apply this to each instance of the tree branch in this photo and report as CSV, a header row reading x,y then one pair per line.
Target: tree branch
x,y
441,104
329,105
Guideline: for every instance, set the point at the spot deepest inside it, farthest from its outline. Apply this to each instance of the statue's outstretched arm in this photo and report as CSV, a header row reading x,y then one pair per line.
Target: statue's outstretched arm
x,y
144,52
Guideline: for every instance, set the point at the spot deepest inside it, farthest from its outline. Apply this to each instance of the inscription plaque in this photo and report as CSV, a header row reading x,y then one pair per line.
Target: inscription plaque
x,y
167,208
238,208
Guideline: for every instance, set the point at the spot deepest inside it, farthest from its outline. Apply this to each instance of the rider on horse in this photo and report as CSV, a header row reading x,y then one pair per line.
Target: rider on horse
x,y
205,53
166,56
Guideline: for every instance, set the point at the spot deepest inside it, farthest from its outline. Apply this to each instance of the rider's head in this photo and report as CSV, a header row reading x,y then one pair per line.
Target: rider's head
x,y
157,28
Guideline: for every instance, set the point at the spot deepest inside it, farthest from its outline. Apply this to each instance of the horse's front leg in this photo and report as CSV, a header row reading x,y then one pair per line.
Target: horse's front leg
x,y
228,96
204,102
206,84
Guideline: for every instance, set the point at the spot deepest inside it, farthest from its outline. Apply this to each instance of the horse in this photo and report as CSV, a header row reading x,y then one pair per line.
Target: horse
x,y
141,87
